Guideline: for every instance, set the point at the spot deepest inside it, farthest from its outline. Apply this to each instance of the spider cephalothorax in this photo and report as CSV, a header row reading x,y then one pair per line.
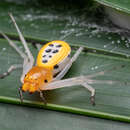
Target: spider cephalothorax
x,y
36,78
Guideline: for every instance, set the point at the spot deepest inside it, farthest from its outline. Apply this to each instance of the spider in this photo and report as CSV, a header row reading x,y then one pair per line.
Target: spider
x,y
53,62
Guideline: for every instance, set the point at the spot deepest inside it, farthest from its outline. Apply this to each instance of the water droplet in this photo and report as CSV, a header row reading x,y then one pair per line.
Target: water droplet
x,y
126,41
118,41
109,38
113,42
78,34
3,49
28,15
32,25
105,46
94,51
96,67
127,45
90,36
98,35
92,68
127,56
122,38
118,8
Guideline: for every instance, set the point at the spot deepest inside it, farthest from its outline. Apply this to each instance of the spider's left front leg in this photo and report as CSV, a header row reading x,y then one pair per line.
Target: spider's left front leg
x,y
29,59
23,41
81,80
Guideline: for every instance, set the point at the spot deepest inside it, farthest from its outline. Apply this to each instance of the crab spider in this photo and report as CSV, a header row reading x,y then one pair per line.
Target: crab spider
x,y
53,62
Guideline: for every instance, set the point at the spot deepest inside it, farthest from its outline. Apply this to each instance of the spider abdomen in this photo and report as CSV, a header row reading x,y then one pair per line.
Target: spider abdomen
x,y
54,55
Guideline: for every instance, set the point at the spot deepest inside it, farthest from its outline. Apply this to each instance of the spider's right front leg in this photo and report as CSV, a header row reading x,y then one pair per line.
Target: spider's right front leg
x,y
67,67
81,80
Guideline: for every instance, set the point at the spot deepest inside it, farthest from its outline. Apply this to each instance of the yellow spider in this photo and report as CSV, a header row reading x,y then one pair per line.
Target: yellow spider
x,y
53,62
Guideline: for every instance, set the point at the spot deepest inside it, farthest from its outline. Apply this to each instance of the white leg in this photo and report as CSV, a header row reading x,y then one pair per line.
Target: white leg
x,y
81,80
28,60
14,46
23,40
71,82
92,90
11,68
27,65
67,67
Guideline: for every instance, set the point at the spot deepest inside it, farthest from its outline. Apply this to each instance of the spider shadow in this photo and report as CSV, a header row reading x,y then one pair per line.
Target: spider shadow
x,y
50,96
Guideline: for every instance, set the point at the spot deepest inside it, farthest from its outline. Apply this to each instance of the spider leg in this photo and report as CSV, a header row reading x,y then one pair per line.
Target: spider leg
x,y
28,60
82,80
42,97
14,46
92,90
30,56
27,65
21,94
67,67
11,68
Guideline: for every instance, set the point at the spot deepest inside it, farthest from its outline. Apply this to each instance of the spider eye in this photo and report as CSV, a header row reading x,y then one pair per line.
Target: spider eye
x,y
45,80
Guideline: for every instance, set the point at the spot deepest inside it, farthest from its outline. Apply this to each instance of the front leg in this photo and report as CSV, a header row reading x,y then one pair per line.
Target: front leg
x,y
67,67
23,41
27,63
81,80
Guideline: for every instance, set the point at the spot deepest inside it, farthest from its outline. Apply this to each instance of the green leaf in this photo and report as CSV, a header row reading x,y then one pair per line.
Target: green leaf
x,y
104,50
110,100
121,5
72,25
17,117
